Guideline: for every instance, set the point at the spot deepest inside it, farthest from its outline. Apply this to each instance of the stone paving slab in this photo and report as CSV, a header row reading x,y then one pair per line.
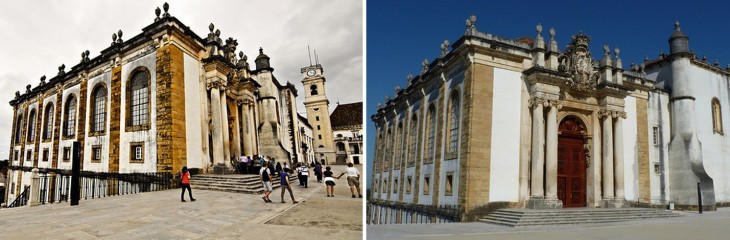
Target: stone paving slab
x,y
161,215
710,225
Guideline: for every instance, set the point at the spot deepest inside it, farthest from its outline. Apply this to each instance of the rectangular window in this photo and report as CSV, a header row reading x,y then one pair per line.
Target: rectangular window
x,y
17,155
12,188
45,155
395,186
136,152
449,184
318,127
66,154
96,153
408,187
320,136
29,155
426,182
385,185
317,117
655,135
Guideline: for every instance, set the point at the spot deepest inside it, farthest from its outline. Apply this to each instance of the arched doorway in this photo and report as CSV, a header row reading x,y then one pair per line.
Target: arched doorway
x,y
571,163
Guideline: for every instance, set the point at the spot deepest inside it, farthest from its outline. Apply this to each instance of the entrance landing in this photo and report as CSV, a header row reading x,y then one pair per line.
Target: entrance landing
x,y
541,217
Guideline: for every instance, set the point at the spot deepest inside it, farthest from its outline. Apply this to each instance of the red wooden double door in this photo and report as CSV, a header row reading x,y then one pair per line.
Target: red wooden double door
x,y
571,165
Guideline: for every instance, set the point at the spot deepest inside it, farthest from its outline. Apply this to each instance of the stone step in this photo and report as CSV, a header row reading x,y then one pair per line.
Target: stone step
x,y
529,217
239,183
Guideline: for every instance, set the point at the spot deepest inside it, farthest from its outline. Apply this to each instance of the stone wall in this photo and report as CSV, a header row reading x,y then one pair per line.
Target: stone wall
x,y
171,151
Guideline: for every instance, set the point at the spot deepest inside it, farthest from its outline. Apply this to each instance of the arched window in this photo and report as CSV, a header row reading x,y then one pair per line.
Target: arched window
x,y
99,109
18,129
431,131
454,111
340,146
414,139
716,116
69,126
48,126
313,90
402,145
31,126
139,99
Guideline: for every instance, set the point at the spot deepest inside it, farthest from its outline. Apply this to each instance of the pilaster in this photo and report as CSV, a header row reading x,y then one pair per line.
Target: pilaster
x,y
171,153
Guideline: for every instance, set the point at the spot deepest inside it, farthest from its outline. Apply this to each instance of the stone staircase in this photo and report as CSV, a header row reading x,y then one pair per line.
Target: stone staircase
x,y
535,217
239,183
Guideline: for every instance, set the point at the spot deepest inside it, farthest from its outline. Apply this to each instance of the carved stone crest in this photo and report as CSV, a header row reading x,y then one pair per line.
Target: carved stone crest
x,y
577,61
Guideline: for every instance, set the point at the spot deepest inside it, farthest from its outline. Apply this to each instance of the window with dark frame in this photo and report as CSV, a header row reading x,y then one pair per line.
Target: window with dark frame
x,y
29,155
18,129
48,126
655,135
139,104
46,154
66,154
449,184
69,125
17,155
99,106
426,183
31,126
408,187
96,153
454,123
136,152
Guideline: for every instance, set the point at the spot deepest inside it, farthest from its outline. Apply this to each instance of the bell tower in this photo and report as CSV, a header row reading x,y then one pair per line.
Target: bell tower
x,y
317,104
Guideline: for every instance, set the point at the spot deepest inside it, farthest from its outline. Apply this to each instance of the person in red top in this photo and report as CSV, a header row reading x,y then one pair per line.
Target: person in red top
x,y
185,183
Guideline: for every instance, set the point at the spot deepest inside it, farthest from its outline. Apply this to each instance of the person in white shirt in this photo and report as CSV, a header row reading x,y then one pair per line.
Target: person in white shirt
x,y
304,170
353,179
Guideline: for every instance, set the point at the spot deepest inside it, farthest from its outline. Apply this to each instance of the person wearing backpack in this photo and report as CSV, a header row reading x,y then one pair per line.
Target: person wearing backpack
x,y
305,174
265,176
185,184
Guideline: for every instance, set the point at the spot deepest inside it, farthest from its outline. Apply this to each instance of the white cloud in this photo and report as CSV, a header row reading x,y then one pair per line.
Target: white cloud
x,y
39,36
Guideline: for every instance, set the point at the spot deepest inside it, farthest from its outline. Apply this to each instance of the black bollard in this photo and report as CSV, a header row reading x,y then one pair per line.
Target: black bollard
x,y
699,196
75,172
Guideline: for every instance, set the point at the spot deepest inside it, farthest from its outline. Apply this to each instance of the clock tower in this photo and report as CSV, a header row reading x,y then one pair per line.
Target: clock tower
x,y
318,115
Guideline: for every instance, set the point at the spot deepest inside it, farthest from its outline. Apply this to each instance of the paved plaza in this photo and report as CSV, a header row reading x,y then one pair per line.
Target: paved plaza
x,y
690,225
215,215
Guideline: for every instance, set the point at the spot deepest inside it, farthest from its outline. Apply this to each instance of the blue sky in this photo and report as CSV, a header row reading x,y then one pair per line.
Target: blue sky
x,y
400,34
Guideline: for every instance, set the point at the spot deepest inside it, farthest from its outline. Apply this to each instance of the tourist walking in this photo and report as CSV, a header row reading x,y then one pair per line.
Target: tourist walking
x,y
329,180
185,184
353,179
265,176
318,171
286,185
305,174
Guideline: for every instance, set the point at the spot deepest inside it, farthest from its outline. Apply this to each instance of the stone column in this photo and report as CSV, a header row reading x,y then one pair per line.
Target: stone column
x,y
538,154
551,148
237,132
217,127
607,174
224,128
618,146
35,190
246,135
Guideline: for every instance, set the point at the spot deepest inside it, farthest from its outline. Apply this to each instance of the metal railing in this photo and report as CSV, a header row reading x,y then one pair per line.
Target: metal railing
x,y
55,185
57,188
22,199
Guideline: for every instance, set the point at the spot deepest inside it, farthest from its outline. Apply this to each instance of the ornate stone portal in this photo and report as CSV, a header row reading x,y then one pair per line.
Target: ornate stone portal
x,y
579,84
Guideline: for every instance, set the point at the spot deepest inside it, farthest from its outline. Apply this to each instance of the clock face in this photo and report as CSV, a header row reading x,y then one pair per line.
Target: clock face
x,y
311,72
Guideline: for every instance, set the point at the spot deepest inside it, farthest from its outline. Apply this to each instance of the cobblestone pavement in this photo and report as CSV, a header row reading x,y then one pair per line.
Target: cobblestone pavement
x,y
690,225
161,215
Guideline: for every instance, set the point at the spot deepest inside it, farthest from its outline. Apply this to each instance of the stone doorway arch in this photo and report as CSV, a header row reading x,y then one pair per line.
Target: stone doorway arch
x,y
572,167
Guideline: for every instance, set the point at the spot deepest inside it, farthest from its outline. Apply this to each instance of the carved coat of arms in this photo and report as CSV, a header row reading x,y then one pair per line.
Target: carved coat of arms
x,y
577,61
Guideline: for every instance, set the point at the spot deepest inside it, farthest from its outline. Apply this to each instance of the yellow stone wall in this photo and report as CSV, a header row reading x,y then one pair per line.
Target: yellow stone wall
x,y
171,151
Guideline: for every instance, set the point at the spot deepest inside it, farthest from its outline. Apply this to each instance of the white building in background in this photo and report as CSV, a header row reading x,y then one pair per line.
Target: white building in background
x,y
500,123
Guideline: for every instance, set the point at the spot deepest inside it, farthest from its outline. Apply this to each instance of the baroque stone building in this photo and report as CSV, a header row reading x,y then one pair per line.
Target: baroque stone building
x,y
158,101
500,123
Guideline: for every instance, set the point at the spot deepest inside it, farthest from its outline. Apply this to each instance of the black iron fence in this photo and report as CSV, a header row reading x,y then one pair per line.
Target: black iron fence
x,y
55,185
22,199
